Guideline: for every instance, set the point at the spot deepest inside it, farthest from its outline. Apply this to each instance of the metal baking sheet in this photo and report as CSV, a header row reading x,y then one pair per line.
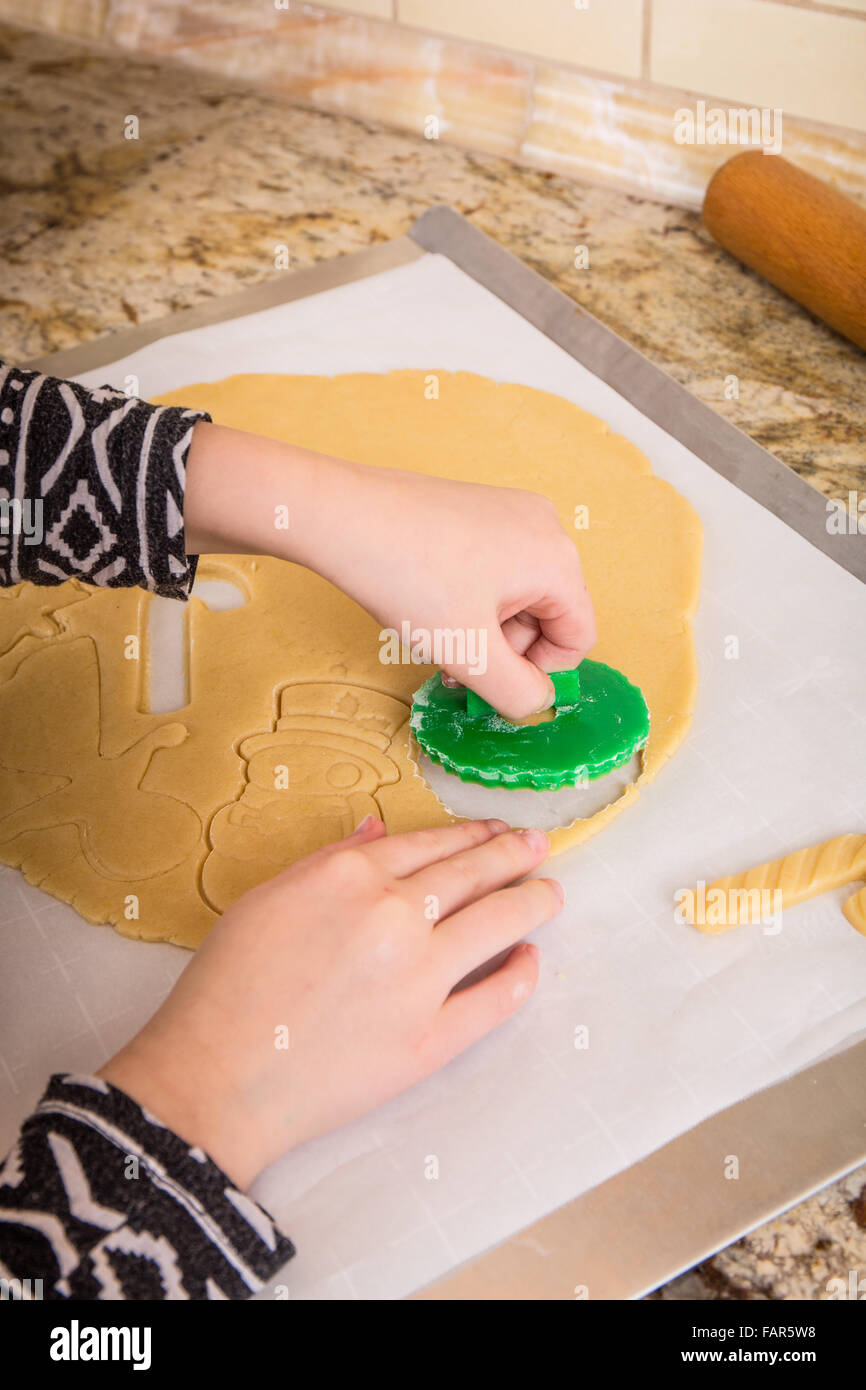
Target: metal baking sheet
x,y
626,1235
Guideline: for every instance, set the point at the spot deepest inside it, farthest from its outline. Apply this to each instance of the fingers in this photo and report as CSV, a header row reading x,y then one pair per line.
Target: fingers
x,y
370,828
521,632
484,929
552,634
568,628
459,880
474,1012
514,685
402,855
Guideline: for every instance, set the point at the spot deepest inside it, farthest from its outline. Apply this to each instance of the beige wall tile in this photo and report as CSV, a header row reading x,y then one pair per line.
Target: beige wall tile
x,y
763,54
606,35
378,9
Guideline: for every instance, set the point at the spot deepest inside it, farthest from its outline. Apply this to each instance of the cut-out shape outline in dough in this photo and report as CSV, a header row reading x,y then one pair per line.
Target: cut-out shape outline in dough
x,y
88,783
38,616
340,732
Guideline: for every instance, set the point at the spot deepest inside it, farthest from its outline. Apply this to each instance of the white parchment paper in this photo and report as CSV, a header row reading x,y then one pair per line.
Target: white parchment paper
x,y
679,1025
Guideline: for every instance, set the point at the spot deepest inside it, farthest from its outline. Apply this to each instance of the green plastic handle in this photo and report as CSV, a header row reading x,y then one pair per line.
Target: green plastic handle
x,y
566,685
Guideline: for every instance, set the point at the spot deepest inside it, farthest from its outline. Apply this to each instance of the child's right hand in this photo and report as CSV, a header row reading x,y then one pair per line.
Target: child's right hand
x,y
492,564
351,954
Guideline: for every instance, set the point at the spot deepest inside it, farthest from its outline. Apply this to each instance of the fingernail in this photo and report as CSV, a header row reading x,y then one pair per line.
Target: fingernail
x,y
548,700
497,826
558,888
368,820
536,839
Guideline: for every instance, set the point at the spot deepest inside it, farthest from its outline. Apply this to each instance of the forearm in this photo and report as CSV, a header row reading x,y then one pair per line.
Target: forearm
x,y
448,556
249,495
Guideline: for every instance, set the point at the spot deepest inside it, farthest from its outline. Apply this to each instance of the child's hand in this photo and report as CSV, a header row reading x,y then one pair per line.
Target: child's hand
x,y
485,563
350,955
491,565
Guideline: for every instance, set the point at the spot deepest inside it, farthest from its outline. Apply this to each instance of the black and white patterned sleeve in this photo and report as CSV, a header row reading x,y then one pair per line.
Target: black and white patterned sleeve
x,y
92,486
98,1200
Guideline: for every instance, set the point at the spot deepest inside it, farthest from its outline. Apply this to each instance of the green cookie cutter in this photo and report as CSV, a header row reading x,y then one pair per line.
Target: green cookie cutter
x,y
601,721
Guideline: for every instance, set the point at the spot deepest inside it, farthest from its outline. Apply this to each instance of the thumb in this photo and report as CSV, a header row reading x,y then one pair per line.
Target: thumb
x,y
512,684
370,828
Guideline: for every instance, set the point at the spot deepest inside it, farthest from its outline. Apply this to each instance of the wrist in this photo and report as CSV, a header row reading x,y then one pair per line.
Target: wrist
x,y
323,493
248,495
185,1098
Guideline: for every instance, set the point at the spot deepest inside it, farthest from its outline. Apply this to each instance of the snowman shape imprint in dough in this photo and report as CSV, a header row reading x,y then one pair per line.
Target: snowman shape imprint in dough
x,y
310,782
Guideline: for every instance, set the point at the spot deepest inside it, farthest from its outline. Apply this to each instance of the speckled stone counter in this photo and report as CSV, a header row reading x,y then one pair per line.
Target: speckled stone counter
x,y
98,231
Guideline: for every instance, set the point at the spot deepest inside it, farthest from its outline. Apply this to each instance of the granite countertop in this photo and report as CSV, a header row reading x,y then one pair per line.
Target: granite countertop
x,y
99,232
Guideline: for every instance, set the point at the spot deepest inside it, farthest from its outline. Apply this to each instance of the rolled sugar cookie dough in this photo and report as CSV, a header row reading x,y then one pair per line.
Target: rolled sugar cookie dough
x,y
295,729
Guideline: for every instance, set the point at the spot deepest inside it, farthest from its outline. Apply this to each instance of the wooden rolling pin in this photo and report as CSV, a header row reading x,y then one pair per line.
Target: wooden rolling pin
x,y
803,236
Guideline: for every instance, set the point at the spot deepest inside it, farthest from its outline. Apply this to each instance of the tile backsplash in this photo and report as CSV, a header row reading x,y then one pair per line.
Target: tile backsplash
x,y
649,95
606,36
809,62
